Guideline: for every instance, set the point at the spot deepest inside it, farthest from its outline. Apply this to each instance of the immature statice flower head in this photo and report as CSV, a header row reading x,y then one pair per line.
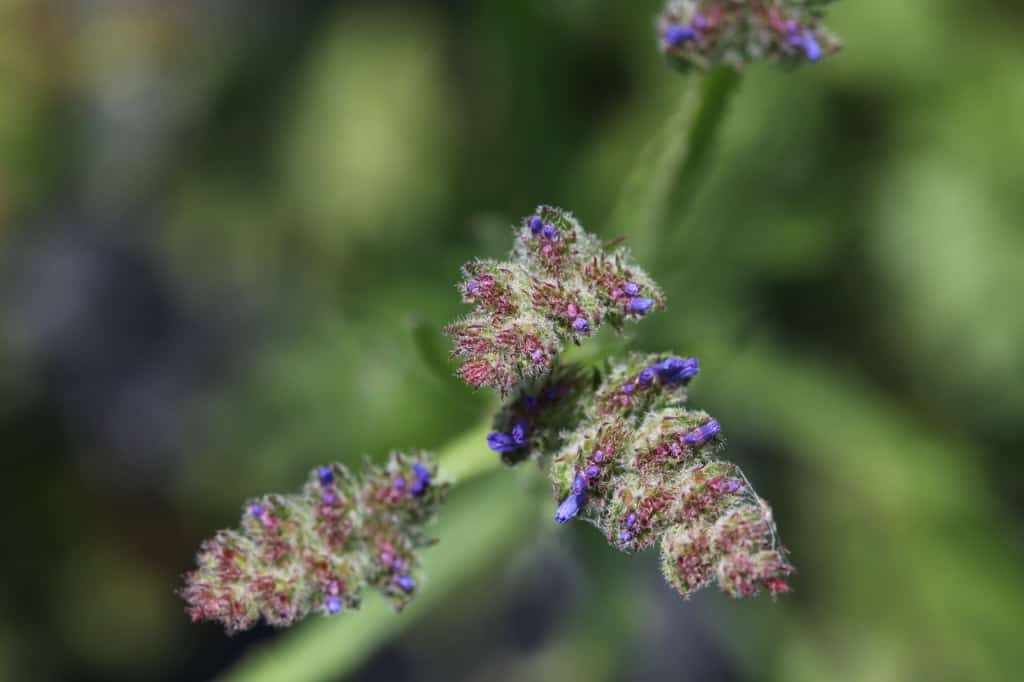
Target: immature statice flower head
x,y
315,551
560,285
640,466
707,33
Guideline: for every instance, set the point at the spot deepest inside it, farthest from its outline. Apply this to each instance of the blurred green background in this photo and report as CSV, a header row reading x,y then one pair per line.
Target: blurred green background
x,y
221,221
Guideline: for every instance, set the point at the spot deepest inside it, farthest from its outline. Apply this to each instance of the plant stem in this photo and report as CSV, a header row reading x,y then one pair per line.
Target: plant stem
x,y
663,183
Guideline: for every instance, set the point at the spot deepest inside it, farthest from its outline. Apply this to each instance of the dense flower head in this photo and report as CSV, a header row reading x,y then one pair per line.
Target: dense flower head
x,y
531,422
560,285
706,33
315,551
643,468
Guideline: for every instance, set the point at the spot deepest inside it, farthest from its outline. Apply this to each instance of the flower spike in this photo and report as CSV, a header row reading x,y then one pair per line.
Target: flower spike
x,y
630,459
315,551
560,286
703,34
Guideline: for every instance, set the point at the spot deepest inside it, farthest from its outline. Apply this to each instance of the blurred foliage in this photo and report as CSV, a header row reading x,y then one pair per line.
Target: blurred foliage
x,y
226,224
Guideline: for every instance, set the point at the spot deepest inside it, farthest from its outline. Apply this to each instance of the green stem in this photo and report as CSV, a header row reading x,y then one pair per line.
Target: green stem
x,y
663,183
467,457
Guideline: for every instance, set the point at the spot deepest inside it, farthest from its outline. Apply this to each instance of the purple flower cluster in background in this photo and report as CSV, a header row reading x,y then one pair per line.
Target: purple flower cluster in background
x,y
707,33
317,550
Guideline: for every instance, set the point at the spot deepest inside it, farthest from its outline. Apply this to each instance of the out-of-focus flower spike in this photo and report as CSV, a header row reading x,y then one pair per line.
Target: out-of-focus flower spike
x,y
703,34
315,551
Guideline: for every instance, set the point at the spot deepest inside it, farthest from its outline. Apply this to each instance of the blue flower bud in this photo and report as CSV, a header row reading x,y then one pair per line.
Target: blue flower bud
x,y
641,305
501,442
625,536
256,509
519,432
677,35
673,370
811,46
406,583
631,288
550,232
569,508
579,485
422,481
631,520
646,377
536,224
398,484
332,605
326,475
581,325
593,471
703,434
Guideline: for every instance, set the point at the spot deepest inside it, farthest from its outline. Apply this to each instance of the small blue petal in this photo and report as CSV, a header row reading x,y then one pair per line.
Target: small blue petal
x,y
581,325
579,485
641,305
550,231
811,47
677,35
625,536
326,475
398,484
256,510
520,432
422,481
703,434
646,377
501,442
631,288
406,583
674,370
536,224
593,471
421,471
569,508
631,520
332,605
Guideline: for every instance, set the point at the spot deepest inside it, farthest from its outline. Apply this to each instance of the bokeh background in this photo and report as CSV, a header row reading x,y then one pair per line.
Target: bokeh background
x,y
224,224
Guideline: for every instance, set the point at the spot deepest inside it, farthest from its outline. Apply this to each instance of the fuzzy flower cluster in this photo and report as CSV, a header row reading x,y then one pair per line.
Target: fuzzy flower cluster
x,y
560,285
315,551
641,467
708,33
